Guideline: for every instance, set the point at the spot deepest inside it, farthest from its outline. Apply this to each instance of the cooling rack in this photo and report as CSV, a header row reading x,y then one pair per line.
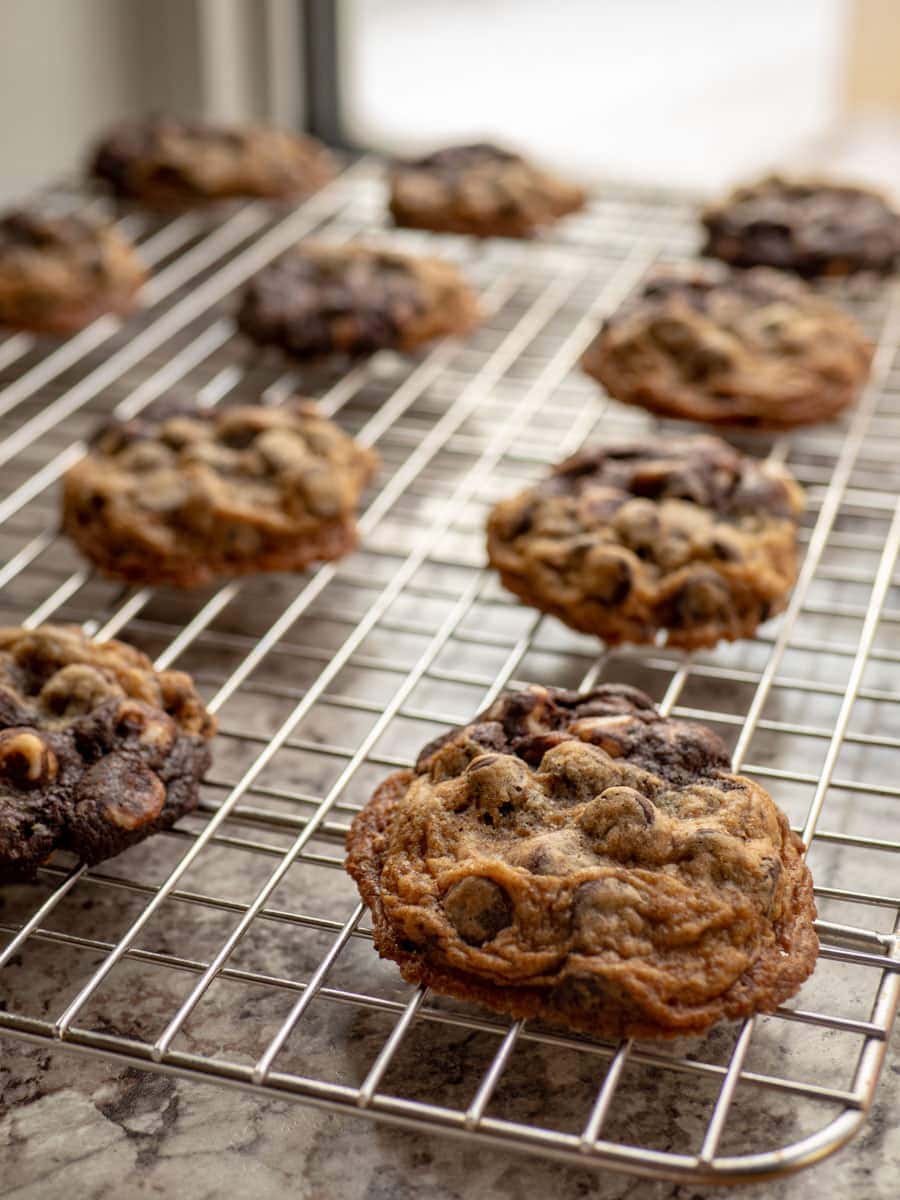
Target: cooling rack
x,y
233,949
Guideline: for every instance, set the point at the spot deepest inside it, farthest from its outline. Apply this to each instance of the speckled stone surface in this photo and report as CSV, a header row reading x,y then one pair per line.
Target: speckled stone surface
x,y
78,1127
119,1133
69,1123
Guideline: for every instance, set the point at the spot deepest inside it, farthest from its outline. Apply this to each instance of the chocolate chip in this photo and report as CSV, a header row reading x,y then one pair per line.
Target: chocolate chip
x,y
533,748
122,791
638,523
519,521
586,993
479,764
617,808
769,231
501,785
726,547
633,804
238,435
607,575
703,597
588,462
449,754
544,861
597,505
574,772
478,908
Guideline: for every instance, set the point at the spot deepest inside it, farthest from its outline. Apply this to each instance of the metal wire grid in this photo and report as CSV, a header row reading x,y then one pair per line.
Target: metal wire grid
x,y
233,948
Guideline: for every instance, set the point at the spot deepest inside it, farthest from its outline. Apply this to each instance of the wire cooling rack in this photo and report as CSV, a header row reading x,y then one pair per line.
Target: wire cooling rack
x,y
234,949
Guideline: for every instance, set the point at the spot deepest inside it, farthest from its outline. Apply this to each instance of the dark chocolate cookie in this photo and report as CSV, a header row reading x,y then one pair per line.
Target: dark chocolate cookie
x,y
97,749
316,301
183,496
580,858
683,535
169,164
753,348
481,190
809,226
57,274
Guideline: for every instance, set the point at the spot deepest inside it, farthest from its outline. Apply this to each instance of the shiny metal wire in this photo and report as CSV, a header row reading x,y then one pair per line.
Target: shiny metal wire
x,y
808,704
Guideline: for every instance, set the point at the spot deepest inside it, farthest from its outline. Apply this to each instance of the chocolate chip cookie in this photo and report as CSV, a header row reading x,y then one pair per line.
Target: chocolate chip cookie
x,y
97,749
808,226
581,858
752,348
168,164
184,495
480,190
684,535
316,301
57,274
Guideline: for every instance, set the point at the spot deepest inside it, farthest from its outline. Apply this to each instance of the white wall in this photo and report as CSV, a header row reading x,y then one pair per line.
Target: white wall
x,y
64,66
68,68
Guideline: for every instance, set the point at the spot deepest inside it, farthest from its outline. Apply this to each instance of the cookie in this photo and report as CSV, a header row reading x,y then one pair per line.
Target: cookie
x,y
808,226
480,190
57,274
583,859
316,301
684,535
183,496
752,348
97,749
168,164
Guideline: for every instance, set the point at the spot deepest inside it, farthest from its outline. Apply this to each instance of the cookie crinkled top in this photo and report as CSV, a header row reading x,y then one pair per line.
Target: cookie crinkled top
x,y
735,347
583,858
479,189
683,534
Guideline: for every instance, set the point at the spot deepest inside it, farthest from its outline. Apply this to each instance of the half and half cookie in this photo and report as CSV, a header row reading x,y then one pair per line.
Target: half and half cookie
x,y
97,749
318,301
813,227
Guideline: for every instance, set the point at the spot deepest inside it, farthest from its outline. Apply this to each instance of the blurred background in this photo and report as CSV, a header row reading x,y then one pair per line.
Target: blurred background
x,y
694,94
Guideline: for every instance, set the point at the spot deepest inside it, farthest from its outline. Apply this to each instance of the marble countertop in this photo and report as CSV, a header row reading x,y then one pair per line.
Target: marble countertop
x,y
73,1125
76,1125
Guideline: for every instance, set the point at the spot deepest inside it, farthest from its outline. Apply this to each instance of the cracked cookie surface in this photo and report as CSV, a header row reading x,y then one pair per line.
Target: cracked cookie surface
x,y
316,301
97,749
581,858
168,164
185,495
57,274
685,535
753,348
479,189
812,227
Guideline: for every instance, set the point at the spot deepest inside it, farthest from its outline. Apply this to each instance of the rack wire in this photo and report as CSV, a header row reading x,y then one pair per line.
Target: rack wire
x,y
233,949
